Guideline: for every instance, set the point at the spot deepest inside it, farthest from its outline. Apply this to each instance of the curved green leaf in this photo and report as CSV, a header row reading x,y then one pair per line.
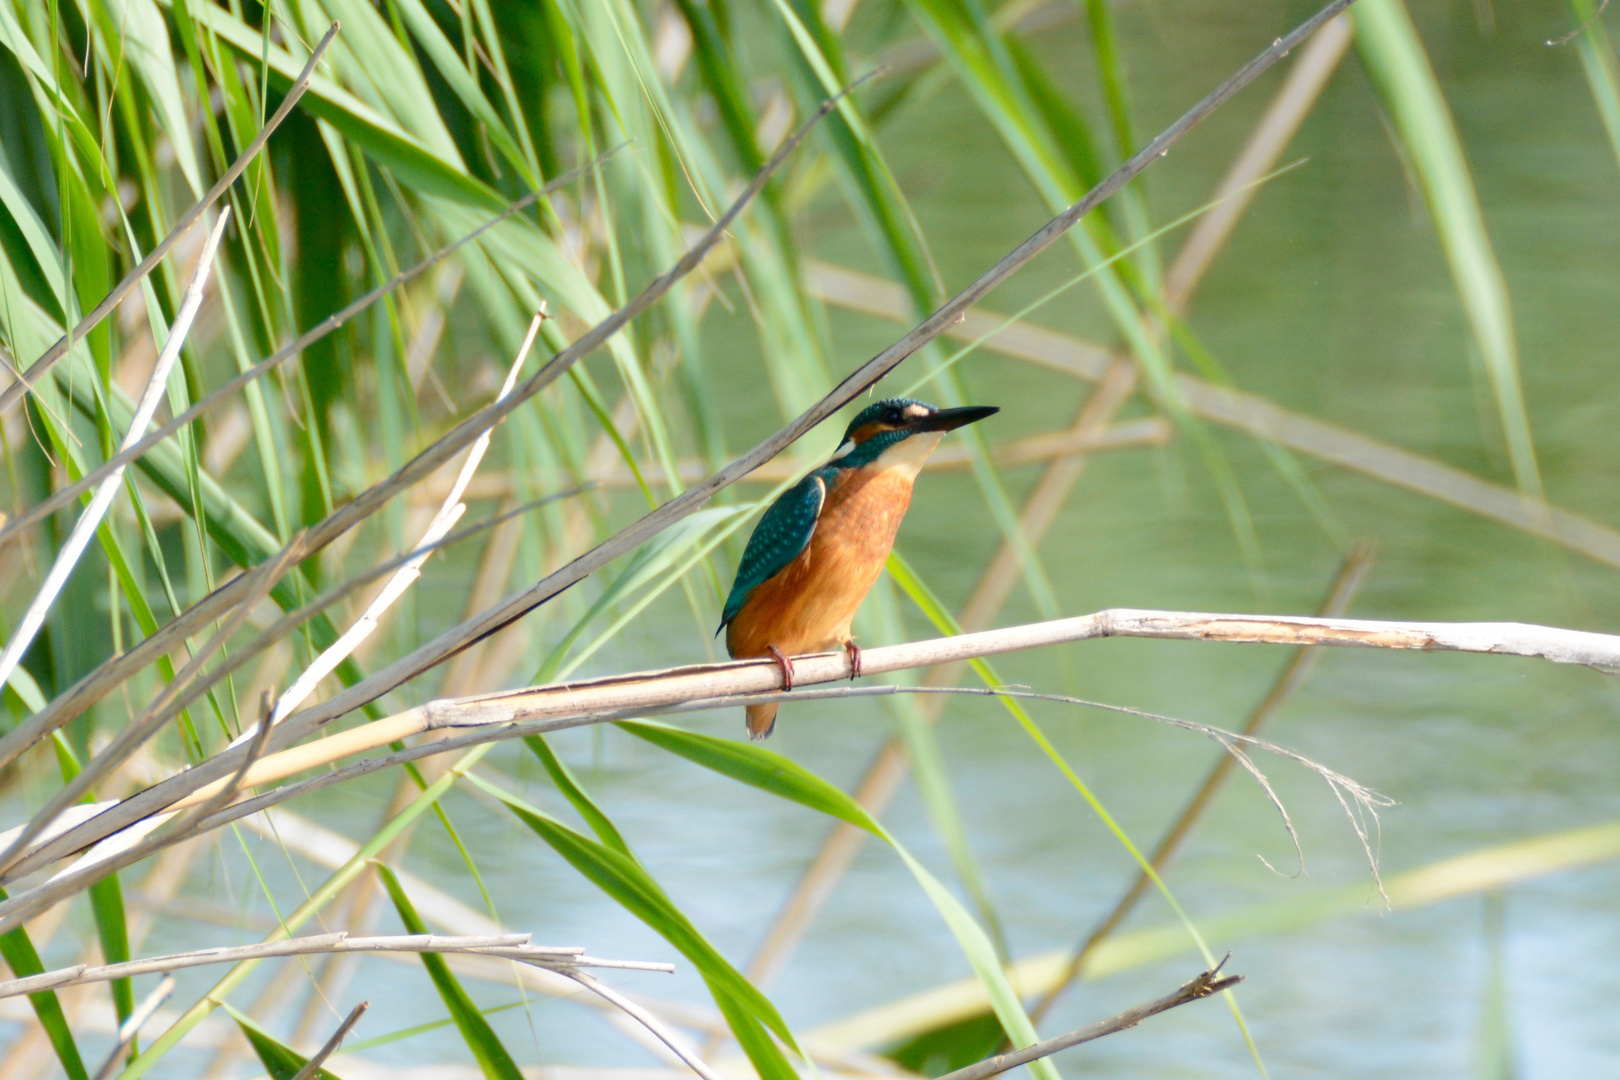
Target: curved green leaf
x,y
481,1039
1399,66
621,877
787,779
281,1061
18,950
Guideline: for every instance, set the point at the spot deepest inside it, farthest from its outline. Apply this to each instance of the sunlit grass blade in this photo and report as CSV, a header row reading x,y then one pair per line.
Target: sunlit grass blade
x,y
18,951
1105,46
1472,873
785,778
1494,1053
1399,66
623,879
929,770
1599,64
422,168
563,777
491,1055
654,567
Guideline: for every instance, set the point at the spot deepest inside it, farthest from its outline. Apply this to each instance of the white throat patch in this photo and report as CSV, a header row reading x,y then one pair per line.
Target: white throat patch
x,y
907,456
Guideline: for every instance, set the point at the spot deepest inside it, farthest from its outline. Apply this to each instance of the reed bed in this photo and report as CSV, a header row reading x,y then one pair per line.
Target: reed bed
x,y
400,359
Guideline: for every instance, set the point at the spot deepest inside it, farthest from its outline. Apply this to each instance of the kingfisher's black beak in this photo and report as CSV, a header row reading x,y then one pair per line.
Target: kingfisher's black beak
x,y
951,419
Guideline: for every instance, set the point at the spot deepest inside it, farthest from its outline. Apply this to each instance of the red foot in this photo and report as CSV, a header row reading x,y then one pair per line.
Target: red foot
x,y
784,663
853,651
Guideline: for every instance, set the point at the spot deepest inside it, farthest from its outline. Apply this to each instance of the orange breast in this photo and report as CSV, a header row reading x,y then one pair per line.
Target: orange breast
x,y
808,605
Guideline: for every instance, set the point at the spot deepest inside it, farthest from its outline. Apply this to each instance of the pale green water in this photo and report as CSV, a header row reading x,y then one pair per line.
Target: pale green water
x,y
1333,299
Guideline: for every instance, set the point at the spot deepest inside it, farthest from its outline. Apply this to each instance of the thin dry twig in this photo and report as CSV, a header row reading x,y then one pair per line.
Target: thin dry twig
x,y
132,1027
676,1044
1352,572
449,513
15,391
508,946
312,1067
1202,986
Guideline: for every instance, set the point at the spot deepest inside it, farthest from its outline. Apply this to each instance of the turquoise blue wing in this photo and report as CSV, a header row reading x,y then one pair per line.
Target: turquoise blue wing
x,y
782,533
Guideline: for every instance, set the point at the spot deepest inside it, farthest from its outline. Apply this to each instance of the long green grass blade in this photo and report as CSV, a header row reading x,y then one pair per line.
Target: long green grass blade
x,y
786,779
18,951
1399,66
1601,68
491,1055
623,879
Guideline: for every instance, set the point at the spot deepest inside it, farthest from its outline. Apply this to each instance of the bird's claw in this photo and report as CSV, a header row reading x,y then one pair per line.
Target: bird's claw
x,y
853,651
784,663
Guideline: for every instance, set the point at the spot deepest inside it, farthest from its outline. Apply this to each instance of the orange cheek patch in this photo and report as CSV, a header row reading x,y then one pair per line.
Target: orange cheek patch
x,y
866,431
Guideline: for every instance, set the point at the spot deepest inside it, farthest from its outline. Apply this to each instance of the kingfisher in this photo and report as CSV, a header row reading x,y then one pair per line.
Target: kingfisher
x,y
819,548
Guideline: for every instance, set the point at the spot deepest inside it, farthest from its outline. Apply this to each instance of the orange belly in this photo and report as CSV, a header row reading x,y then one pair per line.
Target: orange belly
x,y
808,605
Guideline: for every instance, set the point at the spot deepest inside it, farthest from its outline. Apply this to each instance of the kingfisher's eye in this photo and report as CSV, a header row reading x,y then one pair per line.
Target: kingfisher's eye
x,y
895,416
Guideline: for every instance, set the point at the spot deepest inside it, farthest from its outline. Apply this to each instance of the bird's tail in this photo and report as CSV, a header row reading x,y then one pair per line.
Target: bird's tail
x,y
761,720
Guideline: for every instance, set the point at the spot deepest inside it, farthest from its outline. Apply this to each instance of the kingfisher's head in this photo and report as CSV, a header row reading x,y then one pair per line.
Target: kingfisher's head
x,y
901,433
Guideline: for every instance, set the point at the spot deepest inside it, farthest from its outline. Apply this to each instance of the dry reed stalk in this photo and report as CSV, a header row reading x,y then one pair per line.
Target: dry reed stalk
x,y
438,528
1028,450
157,383
129,1029
557,706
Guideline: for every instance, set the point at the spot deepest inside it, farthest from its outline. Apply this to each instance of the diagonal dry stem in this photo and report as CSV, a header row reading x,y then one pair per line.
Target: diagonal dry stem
x,y
676,1044
129,1029
258,583
85,527
449,513
52,355
509,946
312,1067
